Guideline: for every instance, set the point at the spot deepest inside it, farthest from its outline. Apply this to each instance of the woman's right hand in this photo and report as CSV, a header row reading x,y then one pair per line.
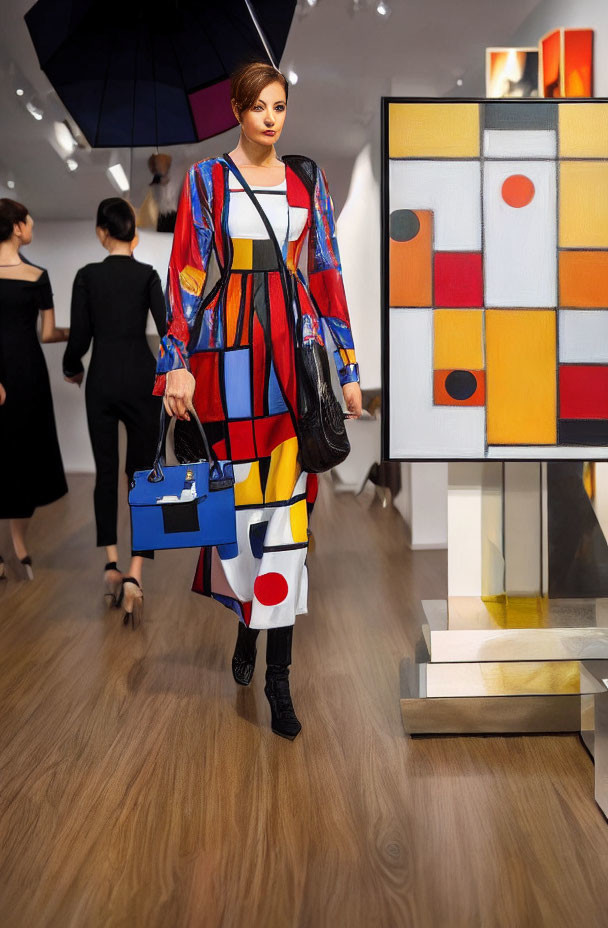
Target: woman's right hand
x,y
179,392
2,395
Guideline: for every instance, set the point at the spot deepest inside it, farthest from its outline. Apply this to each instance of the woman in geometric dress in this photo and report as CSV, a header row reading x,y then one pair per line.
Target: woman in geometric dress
x,y
229,352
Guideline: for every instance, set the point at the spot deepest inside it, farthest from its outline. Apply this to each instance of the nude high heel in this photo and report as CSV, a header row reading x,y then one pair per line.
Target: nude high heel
x,y
27,566
2,568
132,601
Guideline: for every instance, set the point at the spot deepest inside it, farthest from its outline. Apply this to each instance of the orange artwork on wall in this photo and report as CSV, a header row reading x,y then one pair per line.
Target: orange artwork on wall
x,y
566,63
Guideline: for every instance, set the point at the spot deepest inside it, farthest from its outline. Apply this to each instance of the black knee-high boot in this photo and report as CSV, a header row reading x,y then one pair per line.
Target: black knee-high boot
x,y
243,659
278,658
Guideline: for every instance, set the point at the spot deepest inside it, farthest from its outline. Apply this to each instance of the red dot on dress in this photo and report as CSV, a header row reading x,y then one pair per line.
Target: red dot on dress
x,y
270,589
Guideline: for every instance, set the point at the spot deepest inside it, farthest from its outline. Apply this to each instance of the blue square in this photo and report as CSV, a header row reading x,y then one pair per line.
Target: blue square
x,y
237,383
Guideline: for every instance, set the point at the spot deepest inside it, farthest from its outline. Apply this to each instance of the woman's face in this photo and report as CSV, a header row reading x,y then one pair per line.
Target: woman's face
x,y
263,123
25,230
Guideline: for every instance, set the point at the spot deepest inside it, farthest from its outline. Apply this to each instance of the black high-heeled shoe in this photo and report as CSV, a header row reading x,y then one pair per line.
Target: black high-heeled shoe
x,y
284,721
112,585
243,659
132,600
2,569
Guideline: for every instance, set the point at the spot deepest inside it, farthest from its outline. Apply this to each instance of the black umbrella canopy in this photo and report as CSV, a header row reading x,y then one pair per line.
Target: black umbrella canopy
x,y
147,73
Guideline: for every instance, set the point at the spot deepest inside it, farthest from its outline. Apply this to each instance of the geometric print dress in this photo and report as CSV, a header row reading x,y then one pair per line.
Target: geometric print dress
x,y
237,338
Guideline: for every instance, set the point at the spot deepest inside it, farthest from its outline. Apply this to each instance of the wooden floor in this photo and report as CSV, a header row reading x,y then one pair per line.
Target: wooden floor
x,y
140,787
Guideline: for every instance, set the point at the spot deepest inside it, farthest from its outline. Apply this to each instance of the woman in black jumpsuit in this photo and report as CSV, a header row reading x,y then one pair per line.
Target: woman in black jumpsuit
x,y
110,304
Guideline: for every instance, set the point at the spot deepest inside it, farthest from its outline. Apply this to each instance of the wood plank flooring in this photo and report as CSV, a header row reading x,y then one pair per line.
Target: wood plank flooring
x,y
140,787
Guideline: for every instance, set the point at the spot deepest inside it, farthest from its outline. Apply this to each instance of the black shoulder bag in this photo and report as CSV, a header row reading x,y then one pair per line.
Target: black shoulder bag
x,y
320,428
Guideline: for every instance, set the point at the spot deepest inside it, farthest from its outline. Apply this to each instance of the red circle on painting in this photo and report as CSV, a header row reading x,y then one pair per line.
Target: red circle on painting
x,y
270,589
517,190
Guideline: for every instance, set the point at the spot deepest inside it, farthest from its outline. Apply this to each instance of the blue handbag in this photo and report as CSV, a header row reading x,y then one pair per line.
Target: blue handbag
x,y
183,506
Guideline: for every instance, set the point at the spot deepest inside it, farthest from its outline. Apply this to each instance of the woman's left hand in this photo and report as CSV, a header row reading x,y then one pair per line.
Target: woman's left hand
x,y
352,398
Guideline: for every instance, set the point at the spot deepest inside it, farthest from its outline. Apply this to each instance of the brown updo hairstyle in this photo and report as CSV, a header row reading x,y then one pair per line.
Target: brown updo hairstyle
x,y
248,81
11,213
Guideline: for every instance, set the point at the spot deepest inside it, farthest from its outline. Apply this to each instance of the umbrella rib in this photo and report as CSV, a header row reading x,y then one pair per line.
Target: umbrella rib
x,y
254,19
203,25
155,98
103,97
186,88
134,97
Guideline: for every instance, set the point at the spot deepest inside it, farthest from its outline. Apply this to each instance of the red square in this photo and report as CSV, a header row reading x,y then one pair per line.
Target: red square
x,y
241,441
271,431
458,279
583,391
205,367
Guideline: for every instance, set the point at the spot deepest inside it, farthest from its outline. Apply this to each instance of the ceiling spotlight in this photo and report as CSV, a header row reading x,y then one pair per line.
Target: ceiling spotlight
x,y
71,164
118,176
311,2
292,77
35,110
459,82
64,138
383,9
20,91
10,184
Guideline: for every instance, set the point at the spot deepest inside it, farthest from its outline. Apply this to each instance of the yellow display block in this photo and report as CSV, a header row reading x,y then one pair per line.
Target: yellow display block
x,y
433,130
458,339
583,130
583,204
521,377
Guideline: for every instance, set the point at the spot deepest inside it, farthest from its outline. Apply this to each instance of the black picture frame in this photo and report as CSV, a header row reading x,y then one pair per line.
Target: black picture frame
x,y
386,102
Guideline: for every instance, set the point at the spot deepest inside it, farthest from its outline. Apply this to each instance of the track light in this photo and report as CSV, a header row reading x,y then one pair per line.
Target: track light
x,y
33,107
117,175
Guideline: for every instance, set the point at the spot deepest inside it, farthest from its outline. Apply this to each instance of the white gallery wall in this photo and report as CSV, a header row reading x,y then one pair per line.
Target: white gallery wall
x,y
62,248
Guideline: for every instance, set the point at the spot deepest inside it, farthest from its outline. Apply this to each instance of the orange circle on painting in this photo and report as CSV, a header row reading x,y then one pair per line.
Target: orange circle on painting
x,y
517,190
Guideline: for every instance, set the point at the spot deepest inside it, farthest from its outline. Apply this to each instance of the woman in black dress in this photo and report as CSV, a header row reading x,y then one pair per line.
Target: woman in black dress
x,y
110,304
31,470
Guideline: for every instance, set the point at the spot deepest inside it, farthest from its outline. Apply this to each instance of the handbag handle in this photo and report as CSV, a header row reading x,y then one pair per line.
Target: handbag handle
x,y
157,474
271,234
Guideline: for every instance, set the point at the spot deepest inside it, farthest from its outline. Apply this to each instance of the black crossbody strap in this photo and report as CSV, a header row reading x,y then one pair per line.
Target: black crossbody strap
x,y
286,276
254,200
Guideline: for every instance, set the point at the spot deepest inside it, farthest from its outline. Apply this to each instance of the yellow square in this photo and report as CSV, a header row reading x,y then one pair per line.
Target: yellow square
x,y
242,257
458,339
583,204
431,130
583,130
521,377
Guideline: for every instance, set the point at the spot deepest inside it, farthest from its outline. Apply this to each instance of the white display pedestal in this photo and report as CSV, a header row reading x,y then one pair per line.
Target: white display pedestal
x,y
499,656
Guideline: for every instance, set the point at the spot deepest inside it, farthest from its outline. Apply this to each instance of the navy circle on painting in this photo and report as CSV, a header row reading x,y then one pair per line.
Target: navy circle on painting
x,y
461,385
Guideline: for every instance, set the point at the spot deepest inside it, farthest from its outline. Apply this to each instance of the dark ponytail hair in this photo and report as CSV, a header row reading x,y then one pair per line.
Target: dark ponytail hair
x,y
116,216
11,213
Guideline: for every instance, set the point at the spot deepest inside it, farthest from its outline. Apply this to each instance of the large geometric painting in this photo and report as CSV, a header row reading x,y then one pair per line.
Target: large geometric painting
x,y
495,273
